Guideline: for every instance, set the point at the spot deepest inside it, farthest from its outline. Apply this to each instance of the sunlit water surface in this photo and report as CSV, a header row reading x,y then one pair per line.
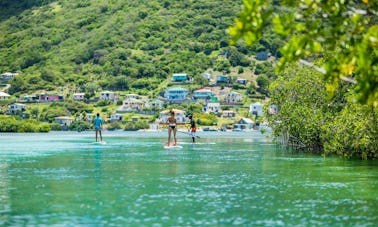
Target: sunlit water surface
x,y
225,179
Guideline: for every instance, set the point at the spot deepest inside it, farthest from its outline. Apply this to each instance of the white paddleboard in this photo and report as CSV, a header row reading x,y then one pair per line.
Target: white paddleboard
x,y
172,146
100,142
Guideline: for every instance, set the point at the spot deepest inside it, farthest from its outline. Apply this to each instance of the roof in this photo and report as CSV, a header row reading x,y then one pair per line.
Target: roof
x,y
3,94
133,100
203,90
109,92
257,104
64,118
213,104
174,110
247,120
177,89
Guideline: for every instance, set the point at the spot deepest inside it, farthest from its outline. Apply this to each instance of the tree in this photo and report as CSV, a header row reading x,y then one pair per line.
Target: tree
x,y
263,83
344,33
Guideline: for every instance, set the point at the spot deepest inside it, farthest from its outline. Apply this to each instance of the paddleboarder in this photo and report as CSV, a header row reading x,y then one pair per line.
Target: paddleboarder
x,y
172,127
98,126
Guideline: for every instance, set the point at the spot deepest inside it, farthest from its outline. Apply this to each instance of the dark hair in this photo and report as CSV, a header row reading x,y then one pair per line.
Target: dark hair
x,y
98,114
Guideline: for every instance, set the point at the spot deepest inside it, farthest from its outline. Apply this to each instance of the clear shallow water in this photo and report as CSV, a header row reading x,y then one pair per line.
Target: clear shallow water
x,y
226,179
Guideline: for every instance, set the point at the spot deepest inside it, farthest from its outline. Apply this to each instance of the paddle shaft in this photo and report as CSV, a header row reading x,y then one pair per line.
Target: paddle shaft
x,y
188,133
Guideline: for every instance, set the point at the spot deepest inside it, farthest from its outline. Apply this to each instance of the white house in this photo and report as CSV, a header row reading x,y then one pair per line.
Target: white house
x,y
132,96
116,117
176,94
130,105
155,104
79,96
4,96
16,107
233,97
243,124
180,116
109,95
256,109
64,121
228,114
213,107
206,76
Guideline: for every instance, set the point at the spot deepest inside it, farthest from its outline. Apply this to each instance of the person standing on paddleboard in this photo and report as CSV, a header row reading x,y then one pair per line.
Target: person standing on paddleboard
x,y
172,127
98,126
192,128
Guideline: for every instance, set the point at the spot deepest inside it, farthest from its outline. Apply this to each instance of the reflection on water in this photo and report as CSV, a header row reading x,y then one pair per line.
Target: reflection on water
x,y
225,179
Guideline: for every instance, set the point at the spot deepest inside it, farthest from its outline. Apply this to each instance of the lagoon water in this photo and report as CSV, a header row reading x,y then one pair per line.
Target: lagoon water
x,y
226,179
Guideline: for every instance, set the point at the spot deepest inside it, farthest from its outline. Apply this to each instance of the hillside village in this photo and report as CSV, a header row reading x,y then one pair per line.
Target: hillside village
x,y
228,108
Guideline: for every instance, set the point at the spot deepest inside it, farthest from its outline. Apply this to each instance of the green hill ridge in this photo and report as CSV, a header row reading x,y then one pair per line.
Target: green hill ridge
x,y
118,45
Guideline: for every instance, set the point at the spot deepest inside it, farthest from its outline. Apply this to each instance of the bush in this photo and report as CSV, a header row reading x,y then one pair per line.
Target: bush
x,y
79,126
131,126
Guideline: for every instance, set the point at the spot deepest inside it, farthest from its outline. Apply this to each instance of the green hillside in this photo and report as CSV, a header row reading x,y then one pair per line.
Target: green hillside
x,y
118,45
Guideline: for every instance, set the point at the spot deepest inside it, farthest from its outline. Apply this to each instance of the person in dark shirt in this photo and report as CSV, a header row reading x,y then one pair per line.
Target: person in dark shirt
x,y
192,128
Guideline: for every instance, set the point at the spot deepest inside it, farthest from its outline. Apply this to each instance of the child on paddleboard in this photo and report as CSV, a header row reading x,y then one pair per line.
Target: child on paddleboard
x,y
192,128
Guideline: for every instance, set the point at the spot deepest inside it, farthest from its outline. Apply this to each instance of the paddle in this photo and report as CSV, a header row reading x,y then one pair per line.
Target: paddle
x,y
188,133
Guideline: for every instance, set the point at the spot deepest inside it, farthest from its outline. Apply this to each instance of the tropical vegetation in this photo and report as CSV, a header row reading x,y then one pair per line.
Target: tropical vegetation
x,y
329,103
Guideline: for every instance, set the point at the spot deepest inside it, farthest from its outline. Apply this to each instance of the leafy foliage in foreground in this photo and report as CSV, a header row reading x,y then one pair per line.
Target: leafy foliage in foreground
x,y
309,120
343,33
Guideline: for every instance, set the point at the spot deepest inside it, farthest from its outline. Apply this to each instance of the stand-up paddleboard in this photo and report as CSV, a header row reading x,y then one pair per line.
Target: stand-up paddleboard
x,y
100,142
172,146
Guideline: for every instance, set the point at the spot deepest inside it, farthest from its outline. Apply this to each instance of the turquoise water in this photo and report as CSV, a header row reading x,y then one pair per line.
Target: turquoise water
x,y
227,179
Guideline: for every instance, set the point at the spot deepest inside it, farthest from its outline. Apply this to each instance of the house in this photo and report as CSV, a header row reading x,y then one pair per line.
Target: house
x,y
176,94
50,98
131,105
243,124
29,98
4,96
273,109
206,76
89,117
203,94
132,96
180,77
233,97
213,107
154,104
16,108
262,56
222,79
241,81
256,109
109,95
64,121
180,116
8,76
116,117
79,96
228,114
